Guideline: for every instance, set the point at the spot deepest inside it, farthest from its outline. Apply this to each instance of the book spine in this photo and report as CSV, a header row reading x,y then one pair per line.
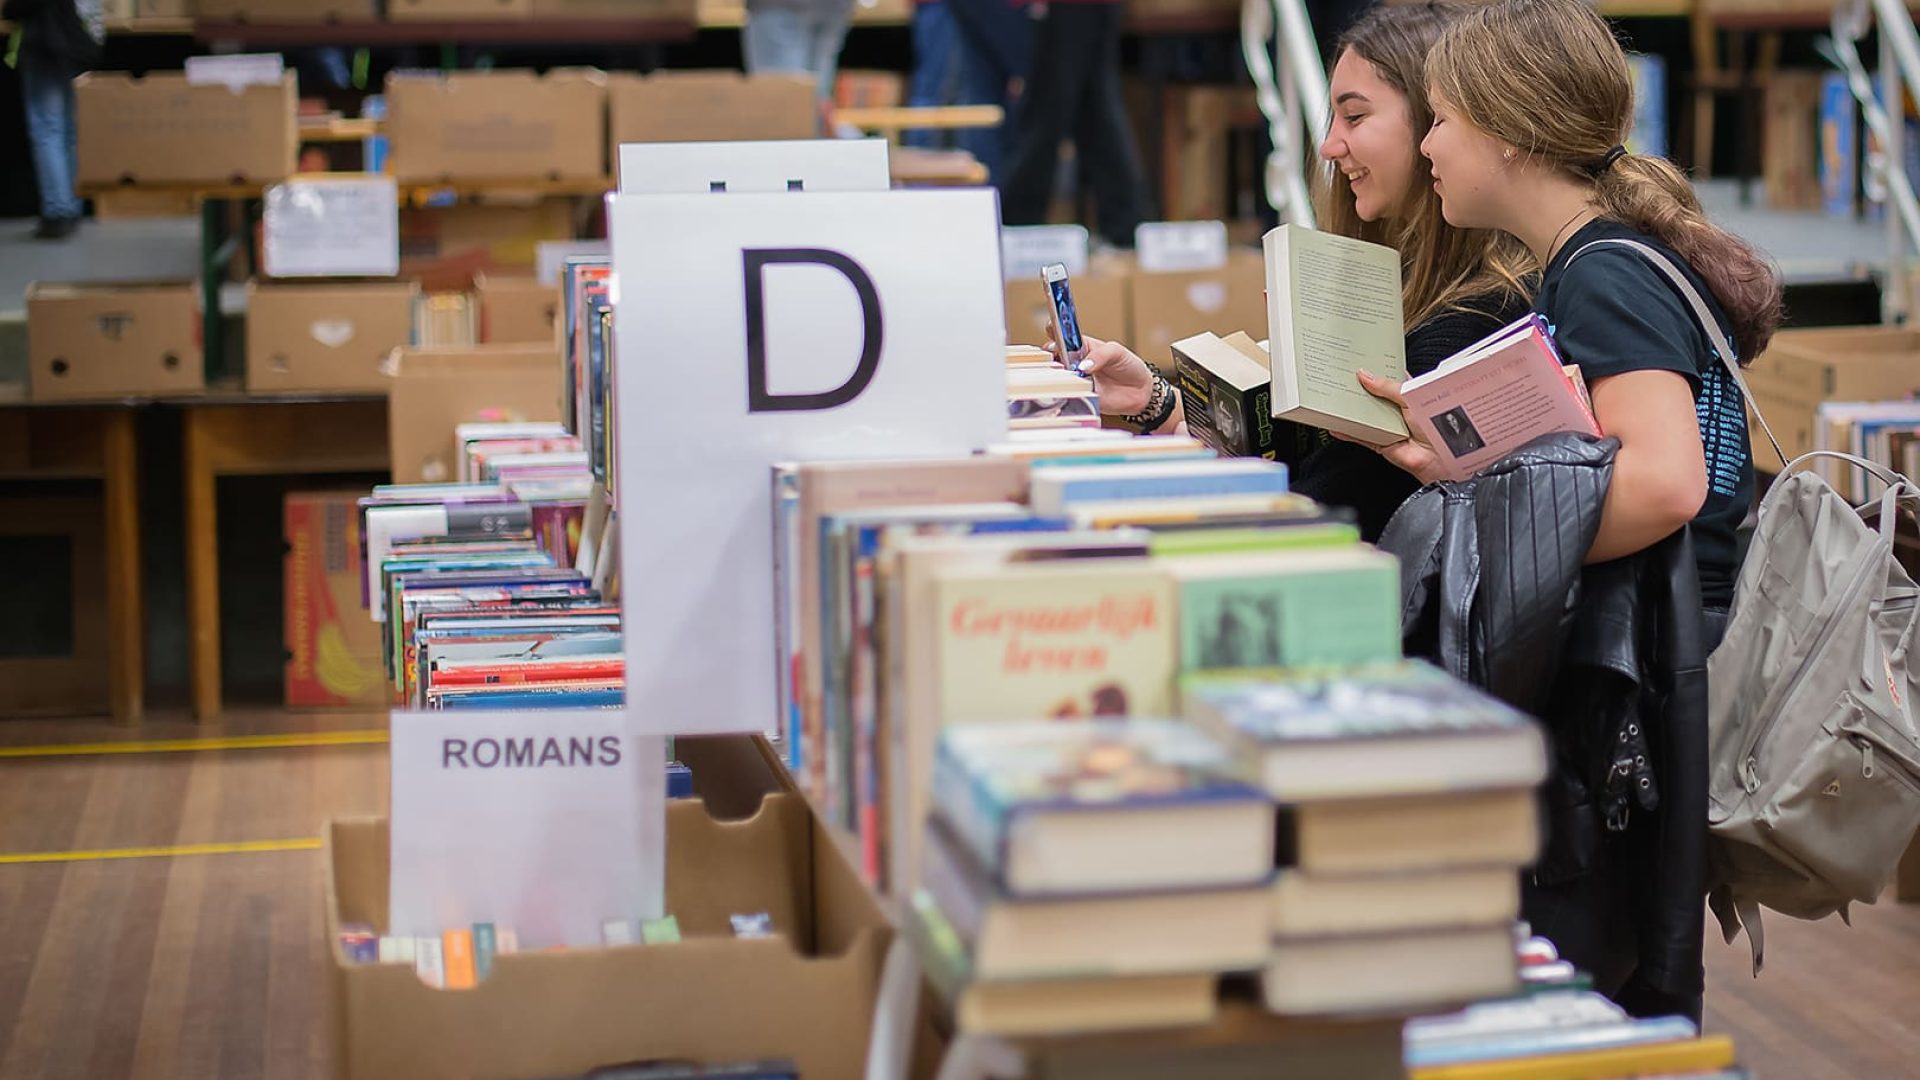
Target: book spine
x,y
1264,482
456,947
429,962
485,946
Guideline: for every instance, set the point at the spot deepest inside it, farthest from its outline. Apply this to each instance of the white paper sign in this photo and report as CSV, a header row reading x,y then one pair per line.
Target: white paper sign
x,y
762,328
1172,246
235,71
548,256
694,168
1024,249
337,227
547,822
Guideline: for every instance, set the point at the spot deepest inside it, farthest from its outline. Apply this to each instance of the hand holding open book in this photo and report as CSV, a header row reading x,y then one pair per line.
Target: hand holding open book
x,y
1485,402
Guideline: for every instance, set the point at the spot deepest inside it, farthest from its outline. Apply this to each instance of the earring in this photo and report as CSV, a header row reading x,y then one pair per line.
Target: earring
x,y
1510,153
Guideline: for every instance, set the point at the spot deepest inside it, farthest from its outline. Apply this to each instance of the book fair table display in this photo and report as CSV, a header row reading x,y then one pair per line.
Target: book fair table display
x,y
816,690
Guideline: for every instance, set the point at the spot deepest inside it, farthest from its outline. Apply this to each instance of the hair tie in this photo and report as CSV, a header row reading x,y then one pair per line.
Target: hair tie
x,y
1606,162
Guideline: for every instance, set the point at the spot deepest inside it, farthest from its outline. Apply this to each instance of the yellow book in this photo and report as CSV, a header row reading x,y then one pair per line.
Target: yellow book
x,y
1056,640
1698,1055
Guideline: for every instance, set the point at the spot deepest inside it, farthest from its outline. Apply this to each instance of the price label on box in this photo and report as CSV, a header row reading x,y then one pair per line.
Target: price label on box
x,y
333,227
1166,247
1024,249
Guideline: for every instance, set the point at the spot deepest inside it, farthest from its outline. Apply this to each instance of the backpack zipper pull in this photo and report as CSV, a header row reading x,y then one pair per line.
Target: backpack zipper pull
x,y
1866,759
1747,778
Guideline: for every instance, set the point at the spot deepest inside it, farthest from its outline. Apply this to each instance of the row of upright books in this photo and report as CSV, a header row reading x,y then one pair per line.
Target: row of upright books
x,y
492,592
501,589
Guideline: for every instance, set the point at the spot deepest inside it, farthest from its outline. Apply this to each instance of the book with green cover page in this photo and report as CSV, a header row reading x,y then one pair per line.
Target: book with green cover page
x,y
1308,607
1333,307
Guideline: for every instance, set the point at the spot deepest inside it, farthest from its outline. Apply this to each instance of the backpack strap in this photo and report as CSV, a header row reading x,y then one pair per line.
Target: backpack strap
x,y
1702,314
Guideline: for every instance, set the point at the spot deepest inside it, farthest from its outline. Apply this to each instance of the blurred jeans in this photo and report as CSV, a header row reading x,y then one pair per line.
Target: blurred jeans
x,y
936,67
996,47
806,42
46,89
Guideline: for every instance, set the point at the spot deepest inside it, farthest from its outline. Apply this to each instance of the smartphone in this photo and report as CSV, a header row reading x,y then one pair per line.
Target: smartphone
x,y
1066,324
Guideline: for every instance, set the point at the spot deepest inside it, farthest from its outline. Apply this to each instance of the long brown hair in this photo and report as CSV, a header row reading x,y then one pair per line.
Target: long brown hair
x,y
1547,77
1441,267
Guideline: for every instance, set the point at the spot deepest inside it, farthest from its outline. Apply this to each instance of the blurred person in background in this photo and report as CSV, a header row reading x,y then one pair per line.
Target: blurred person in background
x,y
56,41
1073,91
800,37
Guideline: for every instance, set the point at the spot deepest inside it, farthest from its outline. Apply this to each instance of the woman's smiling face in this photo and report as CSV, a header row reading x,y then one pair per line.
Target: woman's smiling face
x,y
1371,138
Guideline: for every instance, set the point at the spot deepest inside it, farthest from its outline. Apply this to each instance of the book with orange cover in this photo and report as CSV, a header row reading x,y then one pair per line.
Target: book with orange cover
x,y
456,947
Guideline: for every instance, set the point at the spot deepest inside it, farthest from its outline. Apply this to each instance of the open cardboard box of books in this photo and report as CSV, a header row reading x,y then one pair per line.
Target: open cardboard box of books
x,y
1800,369
806,994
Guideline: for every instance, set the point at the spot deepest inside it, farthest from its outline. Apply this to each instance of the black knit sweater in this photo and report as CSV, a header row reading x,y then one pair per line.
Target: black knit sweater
x,y
1347,474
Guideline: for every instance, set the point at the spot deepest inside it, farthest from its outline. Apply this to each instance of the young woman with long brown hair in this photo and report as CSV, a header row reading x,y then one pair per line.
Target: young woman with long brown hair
x,y
1458,285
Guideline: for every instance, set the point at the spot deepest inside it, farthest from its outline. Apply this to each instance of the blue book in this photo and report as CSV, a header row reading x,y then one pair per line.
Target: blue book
x,y
549,698
1056,487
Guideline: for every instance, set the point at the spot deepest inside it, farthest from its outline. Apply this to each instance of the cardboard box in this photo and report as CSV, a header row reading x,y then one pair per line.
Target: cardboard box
x,y
107,341
516,310
435,390
157,129
457,10
326,337
682,11
447,247
1800,369
1168,307
709,106
1791,140
284,12
334,657
498,125
1099,298
806,994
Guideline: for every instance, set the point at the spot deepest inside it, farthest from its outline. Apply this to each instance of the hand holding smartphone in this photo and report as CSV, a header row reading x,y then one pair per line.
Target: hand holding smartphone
x,y
1066,324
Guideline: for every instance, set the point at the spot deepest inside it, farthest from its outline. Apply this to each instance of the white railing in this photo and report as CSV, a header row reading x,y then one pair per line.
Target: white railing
x,y
1886,168
1294,100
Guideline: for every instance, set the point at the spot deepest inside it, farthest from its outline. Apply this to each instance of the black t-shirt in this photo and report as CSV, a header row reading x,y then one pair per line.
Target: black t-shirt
x,y
1346,474
1612,312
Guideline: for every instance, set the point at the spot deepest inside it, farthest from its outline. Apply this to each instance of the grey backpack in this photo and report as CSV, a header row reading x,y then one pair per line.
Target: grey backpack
x,y
1813,748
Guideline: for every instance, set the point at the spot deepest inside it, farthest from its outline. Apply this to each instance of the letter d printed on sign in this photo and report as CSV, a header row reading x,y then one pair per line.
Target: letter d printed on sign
x,y
755,329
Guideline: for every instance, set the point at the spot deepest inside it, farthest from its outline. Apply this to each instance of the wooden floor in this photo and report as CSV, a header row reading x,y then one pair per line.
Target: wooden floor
x,y
202,966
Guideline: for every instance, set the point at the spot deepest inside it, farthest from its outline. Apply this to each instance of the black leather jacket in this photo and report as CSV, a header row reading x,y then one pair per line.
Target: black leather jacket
x,y
1612,658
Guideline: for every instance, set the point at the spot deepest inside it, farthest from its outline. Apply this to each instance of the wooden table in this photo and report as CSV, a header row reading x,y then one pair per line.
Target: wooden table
x,y
62,442
237,434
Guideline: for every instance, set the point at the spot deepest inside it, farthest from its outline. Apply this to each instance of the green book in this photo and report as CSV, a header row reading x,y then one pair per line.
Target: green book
x,y
1168,542
1333,309
485,944
1288,609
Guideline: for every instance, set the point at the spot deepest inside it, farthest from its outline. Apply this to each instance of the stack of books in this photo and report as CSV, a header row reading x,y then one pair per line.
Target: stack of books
x,y
1091,876
1407,813
1562,1034
500,591
1043,396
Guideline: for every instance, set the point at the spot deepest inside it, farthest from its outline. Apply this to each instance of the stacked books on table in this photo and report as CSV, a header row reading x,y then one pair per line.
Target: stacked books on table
x,y
1038,579
1407,812
1041,395
477,584
1562,1035
1091,875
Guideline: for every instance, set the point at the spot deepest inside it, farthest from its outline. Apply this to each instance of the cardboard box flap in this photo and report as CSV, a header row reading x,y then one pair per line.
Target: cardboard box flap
x,y
464,360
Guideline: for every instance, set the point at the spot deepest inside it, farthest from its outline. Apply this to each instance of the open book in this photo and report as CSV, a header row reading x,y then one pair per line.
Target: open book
x,y
1497,395
1333,309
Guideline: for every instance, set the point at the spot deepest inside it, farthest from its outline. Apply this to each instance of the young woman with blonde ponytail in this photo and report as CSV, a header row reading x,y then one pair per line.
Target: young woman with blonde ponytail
x,y
1532,105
